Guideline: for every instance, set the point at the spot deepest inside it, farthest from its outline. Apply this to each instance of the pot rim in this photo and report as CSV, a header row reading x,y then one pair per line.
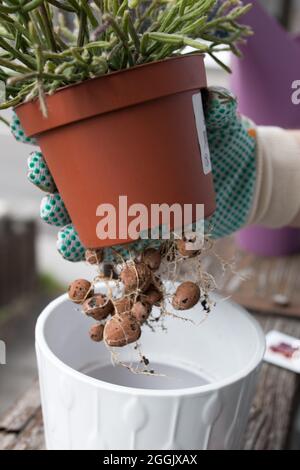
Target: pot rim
x,y
113,92
115,72
191,391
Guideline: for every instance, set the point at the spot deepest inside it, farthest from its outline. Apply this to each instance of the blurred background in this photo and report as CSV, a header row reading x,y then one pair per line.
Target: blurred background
x,y
31,271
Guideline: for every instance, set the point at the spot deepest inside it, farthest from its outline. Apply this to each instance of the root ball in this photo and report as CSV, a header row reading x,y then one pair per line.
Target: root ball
x,y
141,311
153,296
184,248
152,258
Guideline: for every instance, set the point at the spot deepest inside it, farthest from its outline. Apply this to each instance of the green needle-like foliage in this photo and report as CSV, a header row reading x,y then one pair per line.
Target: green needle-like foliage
x,y
45,45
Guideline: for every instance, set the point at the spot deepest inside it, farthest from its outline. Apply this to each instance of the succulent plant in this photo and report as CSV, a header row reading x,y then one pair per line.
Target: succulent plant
x,y
46,45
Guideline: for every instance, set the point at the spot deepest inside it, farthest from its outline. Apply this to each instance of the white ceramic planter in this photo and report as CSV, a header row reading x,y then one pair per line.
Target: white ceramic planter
x,y
81,412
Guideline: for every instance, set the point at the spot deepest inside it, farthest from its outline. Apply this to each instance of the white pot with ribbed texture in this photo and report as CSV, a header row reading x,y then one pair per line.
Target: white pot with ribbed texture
x,y
201,402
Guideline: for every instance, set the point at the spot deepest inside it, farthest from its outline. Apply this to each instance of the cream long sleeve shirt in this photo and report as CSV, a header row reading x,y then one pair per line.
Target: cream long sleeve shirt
x,y
276,201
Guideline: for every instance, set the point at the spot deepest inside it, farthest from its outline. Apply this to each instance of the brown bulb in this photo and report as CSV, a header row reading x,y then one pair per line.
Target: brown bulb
x,y
121,329
94,256
186,296
96,333
98,307
79,290
136,276
123,305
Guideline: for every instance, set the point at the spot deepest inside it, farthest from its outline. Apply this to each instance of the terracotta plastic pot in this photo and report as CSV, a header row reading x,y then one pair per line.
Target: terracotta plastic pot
x,y
134,133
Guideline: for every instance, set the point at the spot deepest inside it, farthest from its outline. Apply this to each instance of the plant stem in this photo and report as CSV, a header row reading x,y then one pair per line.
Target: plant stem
x,y
48,28
120,34
5,121
26,60
219,62
89,13
13,66
22,78
62,6
78,58
82,28
132,32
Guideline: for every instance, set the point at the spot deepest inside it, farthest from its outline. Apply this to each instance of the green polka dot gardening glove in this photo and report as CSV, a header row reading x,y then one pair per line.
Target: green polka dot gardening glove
x,y
18,132
232,146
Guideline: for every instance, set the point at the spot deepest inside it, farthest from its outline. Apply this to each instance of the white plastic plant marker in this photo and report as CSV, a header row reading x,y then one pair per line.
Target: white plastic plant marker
x,y
201,402
202,133
283,351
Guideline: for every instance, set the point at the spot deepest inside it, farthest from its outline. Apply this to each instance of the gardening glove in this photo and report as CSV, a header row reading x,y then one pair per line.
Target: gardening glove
x,y
232,147
256,170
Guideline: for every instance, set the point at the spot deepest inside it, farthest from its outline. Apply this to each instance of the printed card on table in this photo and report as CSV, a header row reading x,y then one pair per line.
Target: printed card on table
x,y
283,351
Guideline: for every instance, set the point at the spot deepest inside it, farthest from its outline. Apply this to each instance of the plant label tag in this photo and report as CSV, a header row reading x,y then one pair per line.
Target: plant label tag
x,y
201,131
283,351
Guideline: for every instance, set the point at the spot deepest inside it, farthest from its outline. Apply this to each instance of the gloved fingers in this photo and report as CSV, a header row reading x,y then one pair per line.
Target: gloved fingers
x,y
220,107
18,132
39,173
53,210
69,245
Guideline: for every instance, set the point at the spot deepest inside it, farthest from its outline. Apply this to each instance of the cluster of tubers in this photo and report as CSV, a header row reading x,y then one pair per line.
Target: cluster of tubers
x,y
120,320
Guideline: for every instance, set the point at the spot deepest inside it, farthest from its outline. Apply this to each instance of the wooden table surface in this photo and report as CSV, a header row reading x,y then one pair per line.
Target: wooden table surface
x,y
269,422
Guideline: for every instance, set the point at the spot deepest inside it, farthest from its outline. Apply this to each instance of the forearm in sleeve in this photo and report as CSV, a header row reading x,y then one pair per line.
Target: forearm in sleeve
x,y
276,201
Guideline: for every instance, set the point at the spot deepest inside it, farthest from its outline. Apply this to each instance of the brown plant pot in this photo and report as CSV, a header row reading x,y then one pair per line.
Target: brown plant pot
x,y
129,133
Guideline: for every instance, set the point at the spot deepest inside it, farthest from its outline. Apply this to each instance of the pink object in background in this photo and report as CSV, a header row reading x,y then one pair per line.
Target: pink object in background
x,y
262,80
